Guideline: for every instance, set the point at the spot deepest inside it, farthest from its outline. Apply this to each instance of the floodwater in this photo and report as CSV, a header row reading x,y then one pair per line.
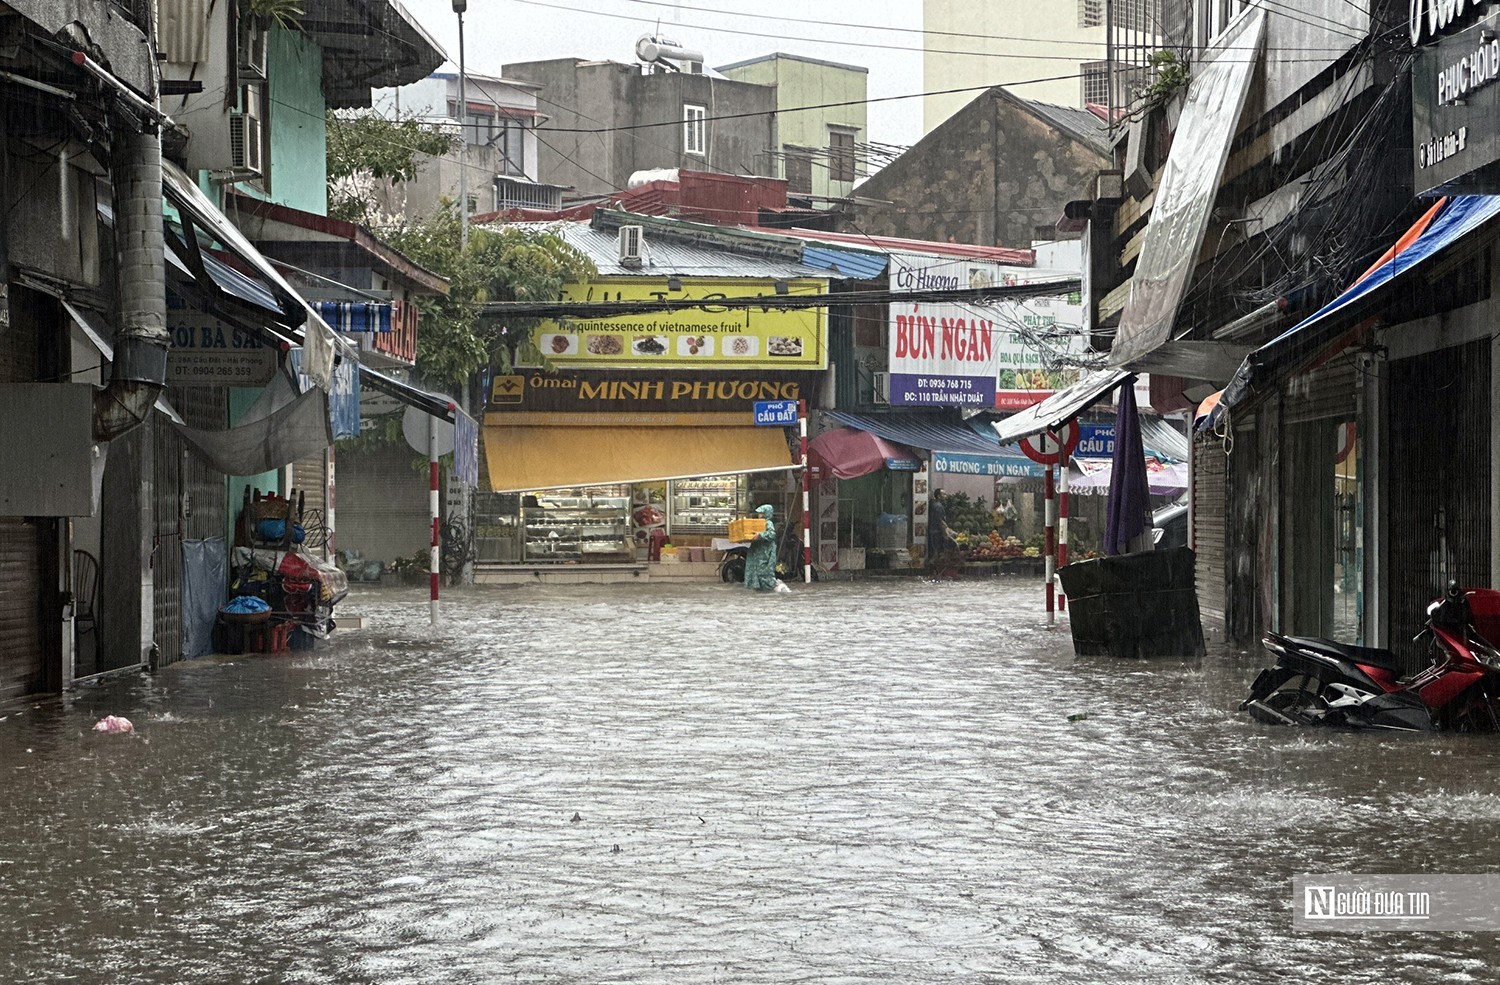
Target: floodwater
x,y
868,782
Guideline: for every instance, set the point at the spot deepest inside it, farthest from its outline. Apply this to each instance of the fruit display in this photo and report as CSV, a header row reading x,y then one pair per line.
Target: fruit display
x,y
993,547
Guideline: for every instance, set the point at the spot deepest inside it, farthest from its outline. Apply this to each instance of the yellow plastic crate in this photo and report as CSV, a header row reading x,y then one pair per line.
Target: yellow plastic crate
x,y
746,528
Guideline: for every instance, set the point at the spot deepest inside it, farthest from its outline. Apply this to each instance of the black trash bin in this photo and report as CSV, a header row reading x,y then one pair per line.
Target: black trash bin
x,y
1134,605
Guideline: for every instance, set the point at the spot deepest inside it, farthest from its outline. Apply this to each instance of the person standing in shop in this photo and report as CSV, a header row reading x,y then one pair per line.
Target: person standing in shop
x,y
760,560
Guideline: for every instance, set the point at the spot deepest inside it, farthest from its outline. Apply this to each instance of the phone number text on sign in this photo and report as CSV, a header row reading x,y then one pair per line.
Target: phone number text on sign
x,y
950,391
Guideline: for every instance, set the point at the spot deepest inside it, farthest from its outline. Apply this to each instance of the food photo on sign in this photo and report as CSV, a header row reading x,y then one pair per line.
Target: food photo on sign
x,y
706,337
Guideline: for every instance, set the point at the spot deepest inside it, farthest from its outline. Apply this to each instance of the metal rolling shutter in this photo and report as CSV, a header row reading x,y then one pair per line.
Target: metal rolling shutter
x,y
21,640
310,479
21,637
1439,513
1210,507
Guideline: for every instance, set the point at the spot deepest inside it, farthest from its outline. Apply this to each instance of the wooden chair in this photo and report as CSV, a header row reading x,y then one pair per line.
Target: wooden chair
x,y
85,592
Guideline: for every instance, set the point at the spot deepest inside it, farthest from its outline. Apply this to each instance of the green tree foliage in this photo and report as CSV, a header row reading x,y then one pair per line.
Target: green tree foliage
x,y
502,264
364,149
498,265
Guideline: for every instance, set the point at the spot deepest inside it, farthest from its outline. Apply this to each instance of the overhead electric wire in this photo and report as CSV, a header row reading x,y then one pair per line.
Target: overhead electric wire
x,y
782,36
778,302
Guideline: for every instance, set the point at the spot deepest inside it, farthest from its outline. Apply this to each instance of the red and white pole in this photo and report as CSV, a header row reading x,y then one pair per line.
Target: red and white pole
x,y
806,497
1062,526
332,497
433,507
1050,514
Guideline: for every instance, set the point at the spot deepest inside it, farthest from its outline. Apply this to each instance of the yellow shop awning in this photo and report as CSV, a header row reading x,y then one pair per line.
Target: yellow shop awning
x,y
555,450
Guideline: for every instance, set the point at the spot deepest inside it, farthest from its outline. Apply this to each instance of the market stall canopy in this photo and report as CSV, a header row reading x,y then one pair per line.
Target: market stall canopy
x,y
1449,226
542,451
848,453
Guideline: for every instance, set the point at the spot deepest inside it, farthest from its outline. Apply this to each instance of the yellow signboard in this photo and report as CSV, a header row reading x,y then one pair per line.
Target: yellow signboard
x,y
706,337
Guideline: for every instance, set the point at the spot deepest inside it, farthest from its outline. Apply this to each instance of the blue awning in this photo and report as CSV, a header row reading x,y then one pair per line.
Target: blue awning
x,y
1326,329
354,316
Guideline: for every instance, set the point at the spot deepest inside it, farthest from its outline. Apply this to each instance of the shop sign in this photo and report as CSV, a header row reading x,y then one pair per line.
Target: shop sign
x,y
706,337
775,413
207,352
1095,441
1456,113
586,392
990,465
1427,19
980,356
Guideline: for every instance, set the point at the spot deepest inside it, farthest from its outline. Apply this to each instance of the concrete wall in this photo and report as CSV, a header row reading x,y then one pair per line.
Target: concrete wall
x,y
299,130
809,82
606,96
1014,42
988,176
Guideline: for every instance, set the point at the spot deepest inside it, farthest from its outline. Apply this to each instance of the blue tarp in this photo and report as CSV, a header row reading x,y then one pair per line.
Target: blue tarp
x,y
1293,349
924,431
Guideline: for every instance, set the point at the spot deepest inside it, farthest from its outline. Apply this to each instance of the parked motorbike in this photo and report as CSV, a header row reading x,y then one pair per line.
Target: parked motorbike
x,y
1321,682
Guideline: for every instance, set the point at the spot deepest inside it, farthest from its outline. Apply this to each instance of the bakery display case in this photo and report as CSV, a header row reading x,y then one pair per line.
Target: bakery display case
x,y
577,528
704,506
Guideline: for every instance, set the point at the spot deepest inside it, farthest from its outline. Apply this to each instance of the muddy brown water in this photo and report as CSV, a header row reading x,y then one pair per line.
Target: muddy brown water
x,y
873,782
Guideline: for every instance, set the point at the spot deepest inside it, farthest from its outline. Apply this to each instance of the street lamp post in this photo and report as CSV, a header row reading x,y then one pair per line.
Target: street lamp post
x,y
459,6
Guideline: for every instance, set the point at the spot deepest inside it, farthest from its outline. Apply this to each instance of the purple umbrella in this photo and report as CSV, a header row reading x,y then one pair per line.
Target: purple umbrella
x,y
1129,509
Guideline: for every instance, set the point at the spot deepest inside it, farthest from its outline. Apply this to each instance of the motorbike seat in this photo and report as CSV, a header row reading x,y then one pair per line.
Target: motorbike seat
x,y
1368,655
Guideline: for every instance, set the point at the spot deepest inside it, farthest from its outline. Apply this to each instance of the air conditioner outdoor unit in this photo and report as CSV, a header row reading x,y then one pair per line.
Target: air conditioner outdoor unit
x,y
630,246
882,388
252,51
245,143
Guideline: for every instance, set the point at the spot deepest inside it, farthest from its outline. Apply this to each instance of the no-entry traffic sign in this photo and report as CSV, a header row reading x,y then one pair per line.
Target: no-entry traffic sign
x,y
1048,448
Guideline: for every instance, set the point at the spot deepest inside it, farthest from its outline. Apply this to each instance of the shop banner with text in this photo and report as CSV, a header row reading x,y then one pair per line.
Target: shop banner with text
x,y
979,356
626,392
706,337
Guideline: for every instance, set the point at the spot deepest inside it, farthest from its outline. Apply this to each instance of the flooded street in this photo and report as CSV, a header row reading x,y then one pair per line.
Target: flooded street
x,y
868,782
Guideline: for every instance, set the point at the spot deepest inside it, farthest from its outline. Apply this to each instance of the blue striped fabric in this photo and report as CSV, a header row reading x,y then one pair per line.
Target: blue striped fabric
x,y
354,316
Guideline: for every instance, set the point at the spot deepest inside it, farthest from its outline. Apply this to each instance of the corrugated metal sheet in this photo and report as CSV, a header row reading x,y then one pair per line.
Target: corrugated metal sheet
x,y
727,198
664,258
858,266
929,432
1080,124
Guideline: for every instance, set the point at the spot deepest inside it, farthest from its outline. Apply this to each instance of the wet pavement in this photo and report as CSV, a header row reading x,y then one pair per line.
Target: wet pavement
x,y
857,782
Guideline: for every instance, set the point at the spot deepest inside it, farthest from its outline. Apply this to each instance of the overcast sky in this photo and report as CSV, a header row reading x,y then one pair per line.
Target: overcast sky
x,y
501,31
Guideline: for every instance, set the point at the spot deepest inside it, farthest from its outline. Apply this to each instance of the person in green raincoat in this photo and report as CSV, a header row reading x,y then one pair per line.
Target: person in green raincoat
x,y
760,561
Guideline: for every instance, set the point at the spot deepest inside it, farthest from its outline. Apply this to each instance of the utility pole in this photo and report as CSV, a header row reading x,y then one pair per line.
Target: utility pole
x,y
459,6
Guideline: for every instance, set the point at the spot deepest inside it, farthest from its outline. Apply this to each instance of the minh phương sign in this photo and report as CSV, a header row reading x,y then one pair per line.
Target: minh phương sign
x,y
1004,355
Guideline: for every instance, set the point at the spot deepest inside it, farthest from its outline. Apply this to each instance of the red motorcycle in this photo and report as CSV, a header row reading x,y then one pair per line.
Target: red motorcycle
x,y
1321,682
